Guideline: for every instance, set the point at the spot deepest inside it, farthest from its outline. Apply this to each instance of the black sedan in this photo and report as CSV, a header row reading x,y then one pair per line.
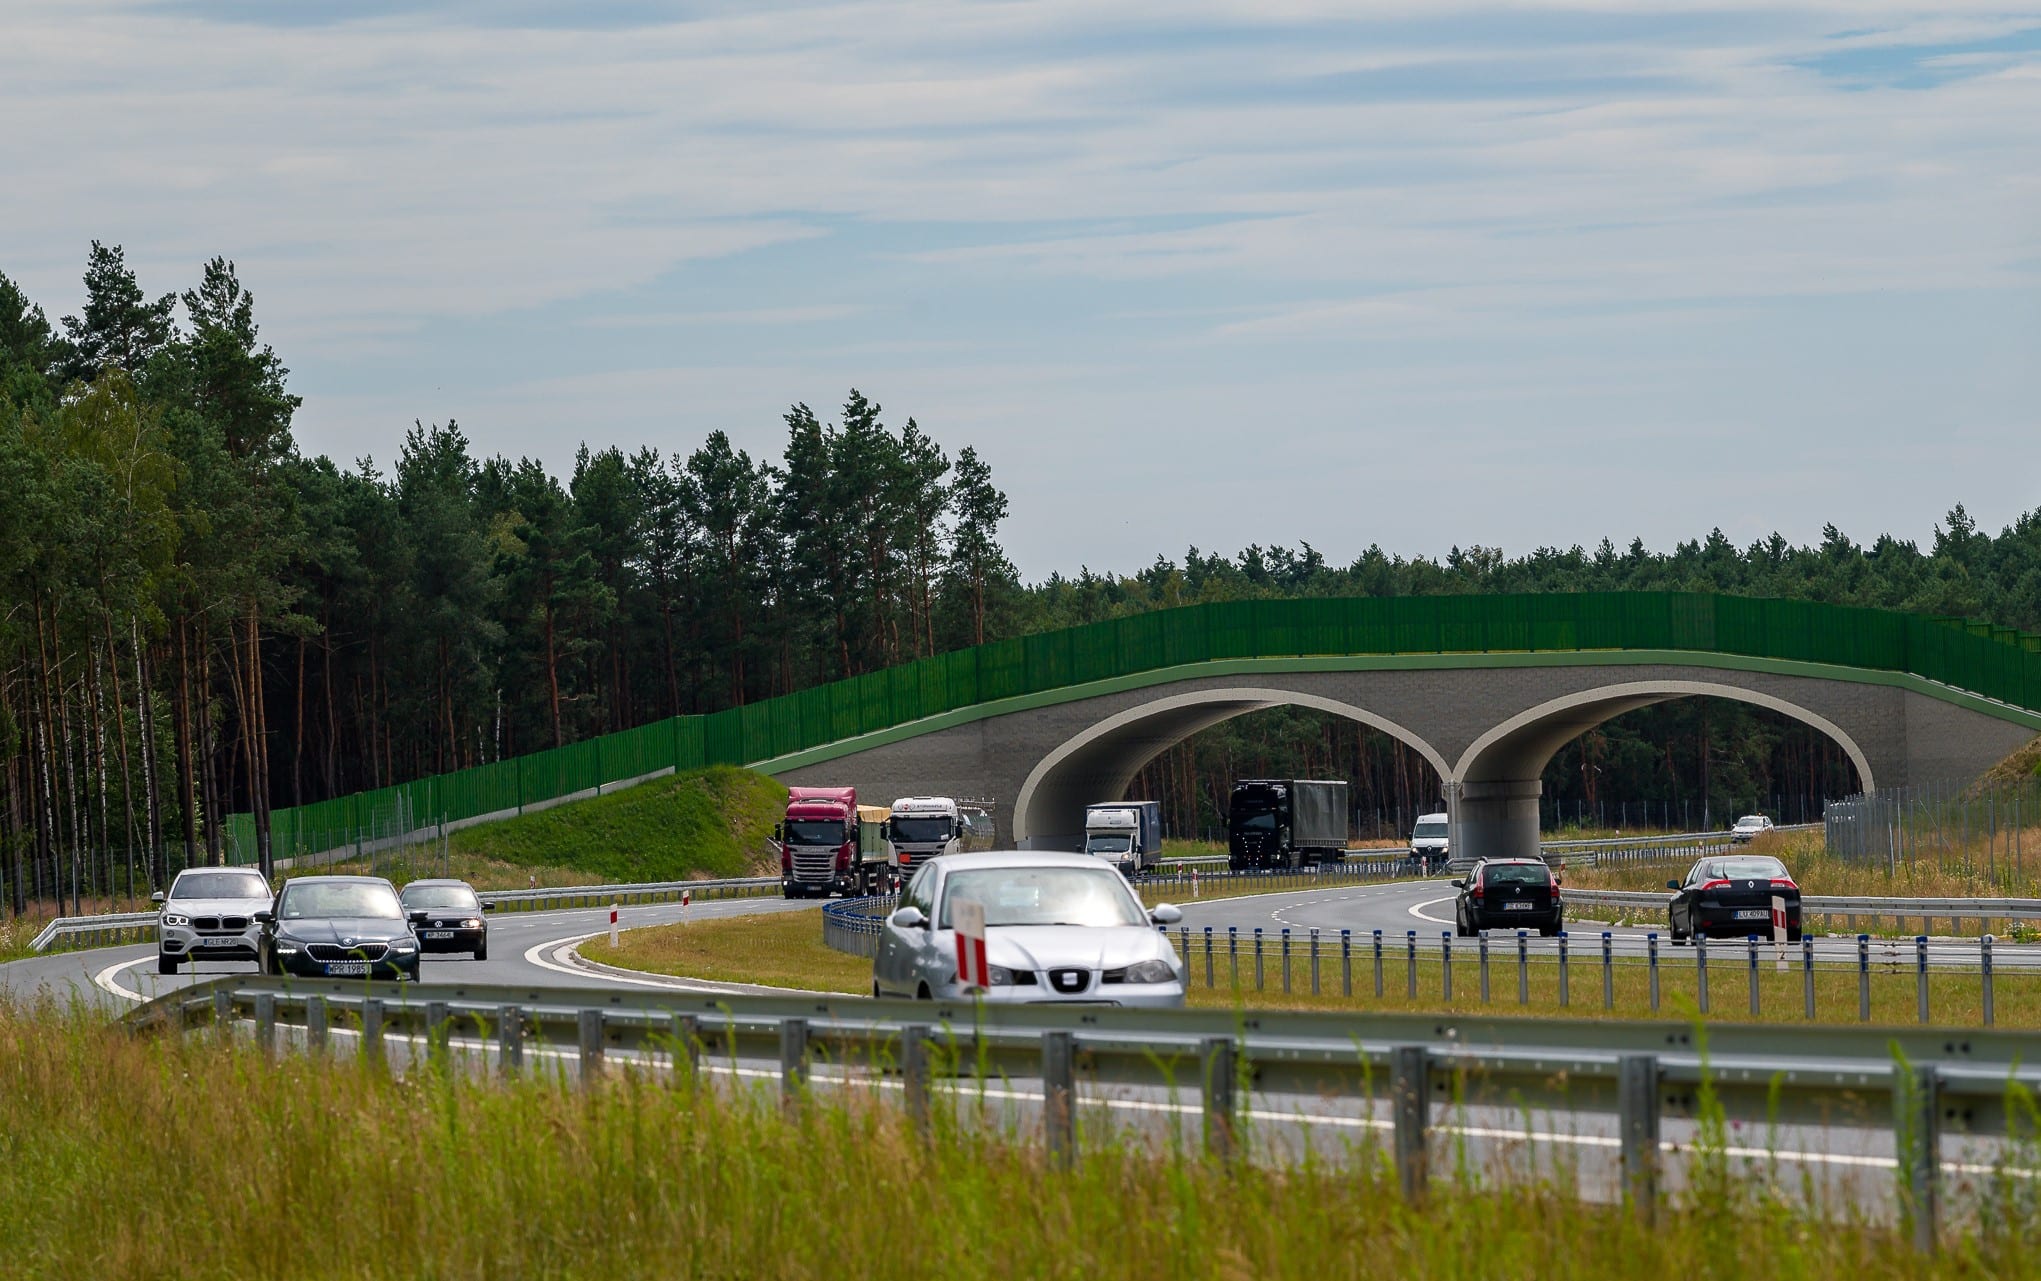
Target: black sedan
x,y
1731,897
447,917
1508,893
338,927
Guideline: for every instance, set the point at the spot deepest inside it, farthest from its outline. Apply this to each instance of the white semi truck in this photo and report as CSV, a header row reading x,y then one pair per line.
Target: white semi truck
x,y
924,827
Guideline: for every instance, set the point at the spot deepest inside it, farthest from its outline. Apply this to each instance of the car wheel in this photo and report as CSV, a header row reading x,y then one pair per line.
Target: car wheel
x,y
482,952
876,994
922,993
1547,931
165,964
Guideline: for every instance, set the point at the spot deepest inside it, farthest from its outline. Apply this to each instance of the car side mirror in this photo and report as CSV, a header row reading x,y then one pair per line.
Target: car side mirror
x,y
418,918
265,917
1166,914
909,918
489,905
157,898
1672,885
1459,884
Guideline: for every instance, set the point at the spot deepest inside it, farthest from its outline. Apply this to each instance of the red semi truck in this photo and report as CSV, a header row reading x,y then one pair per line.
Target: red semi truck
x,y
822,845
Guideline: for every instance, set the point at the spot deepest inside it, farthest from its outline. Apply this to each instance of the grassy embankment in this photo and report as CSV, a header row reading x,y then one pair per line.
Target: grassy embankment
x,y
159,1157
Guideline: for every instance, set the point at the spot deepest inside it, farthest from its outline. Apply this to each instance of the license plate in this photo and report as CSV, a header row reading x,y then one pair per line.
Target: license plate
x,y
229,942
439,934
347,969
1518,907
1753,914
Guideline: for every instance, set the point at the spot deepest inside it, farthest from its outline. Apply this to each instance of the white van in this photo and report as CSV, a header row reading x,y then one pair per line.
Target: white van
x,y
1428,841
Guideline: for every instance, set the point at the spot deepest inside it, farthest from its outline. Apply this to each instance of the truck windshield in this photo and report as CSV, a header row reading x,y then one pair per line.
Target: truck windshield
x,y
1108,844
1262,822
1429,830
814,831
921,829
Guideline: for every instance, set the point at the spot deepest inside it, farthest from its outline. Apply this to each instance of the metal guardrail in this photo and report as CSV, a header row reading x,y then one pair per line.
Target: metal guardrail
x,y
102,931
1652,846
1849,908
1920,1083
853,925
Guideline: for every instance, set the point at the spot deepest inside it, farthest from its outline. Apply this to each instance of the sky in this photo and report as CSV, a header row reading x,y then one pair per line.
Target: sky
x,y
1421,273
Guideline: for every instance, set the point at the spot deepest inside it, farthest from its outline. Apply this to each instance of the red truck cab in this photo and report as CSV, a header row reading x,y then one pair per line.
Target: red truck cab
x,y
820,843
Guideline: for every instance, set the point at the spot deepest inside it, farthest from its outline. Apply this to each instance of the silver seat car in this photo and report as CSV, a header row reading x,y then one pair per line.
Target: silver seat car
x,y
1058,927
209,915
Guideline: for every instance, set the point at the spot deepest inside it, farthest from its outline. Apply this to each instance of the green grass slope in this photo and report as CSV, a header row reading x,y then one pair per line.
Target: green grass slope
x,y
714,822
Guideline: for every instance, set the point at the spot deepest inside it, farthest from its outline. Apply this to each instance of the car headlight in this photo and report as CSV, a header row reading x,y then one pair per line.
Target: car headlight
x,y
403,945
1151,972
1001,976
472,923
288,947
176,918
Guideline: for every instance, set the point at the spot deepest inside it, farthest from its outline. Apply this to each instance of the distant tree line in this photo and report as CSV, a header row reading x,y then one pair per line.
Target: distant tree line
x,y
196,619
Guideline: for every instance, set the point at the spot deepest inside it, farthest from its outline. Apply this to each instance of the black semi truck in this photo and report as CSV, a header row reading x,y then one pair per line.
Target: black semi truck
x,y
1285,823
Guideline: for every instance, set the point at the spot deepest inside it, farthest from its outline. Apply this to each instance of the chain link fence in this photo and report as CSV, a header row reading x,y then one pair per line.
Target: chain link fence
x,y
1990,832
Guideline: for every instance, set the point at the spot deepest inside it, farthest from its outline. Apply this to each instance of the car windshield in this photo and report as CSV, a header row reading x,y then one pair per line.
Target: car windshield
x,y
220,885
1738,869
341,898
814,831
1108,844
1426,830
418,896
1045,896
1265,821
921,829
1517,874
1751,820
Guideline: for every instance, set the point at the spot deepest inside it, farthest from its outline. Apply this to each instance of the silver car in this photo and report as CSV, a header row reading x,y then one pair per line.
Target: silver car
x,y
1058,927
209,915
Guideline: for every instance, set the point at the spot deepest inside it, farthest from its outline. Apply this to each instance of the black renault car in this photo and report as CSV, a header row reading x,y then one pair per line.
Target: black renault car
x,y
1509,894
447,917
338,927
1731,896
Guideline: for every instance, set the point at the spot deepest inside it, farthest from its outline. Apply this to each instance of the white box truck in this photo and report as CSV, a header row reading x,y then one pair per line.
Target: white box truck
x,y
1127,834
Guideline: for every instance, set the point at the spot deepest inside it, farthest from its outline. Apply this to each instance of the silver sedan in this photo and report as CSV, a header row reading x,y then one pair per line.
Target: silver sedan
x,y
1058,927
209,915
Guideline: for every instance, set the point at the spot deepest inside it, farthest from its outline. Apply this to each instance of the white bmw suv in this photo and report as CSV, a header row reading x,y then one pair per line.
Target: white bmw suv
x,y
209,915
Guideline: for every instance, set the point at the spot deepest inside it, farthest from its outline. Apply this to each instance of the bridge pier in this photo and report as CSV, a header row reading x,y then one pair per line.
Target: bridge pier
x,y
1495,818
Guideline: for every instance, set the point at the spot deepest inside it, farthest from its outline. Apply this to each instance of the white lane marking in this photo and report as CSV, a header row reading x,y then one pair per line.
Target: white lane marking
x,y
1419,910
105,980
609,974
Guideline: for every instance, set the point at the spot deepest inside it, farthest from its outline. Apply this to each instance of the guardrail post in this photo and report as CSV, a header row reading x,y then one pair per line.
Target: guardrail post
x,y
1378,964
1346,963
1917,1095
438,1031
510,1040
1523,967
223,1011
372,1031
1701,971
1637,1104
1651,951
1754,999
1314,960
1563,999
588,1026
1059,1112
265,1022
1920,953
793,1061
1286,960
1257,958
1481,946
914,1040
316,1024
1219,1104
1410,943
1608,970
1807,974
1183,934
1984,974
1446,964
1863,978
1208,957
686,1032
1410,1097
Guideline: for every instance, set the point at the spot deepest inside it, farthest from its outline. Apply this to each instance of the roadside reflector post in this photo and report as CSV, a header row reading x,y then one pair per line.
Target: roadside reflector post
x,y
1257,958
1523,967
316,1023
1920,953
1208,957
1346,962
1701,972
1608,970
588,1026
1637,1103
612,922
687,1049
372,1031
265,1022
1754,975
1779,930
1564,1001
1481,946
1378,964
1219,1070
1651,952
1807,973
914,1074
1059,1113
793,1062
1863,978
1286,960
1233,953
1411,969
1410,1097
1984,974
1917,1095
1314,960
510,1040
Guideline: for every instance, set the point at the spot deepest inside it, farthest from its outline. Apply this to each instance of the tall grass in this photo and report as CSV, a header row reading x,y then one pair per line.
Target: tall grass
x,y
143,1158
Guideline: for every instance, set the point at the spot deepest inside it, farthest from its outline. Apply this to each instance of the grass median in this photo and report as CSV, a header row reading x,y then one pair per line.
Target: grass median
x,y
151,1157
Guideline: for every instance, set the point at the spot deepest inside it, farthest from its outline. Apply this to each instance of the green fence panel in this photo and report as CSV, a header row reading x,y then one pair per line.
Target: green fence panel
x,y
1229,630
1463,624
634,753
1139,641
1047,661
1187,636
1095,652
1002,669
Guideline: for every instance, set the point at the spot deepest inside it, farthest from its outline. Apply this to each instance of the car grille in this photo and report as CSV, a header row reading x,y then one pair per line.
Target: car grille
x,y
814,867
1069,981
335,952
219,924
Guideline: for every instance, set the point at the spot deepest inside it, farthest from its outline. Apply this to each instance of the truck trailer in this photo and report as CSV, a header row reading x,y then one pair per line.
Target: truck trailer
x,y
1285,823
1127,834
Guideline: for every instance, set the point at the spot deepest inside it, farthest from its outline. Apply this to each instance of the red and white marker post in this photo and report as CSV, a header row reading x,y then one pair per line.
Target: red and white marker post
x,y
967,917
612,922
1194,883
1779,927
